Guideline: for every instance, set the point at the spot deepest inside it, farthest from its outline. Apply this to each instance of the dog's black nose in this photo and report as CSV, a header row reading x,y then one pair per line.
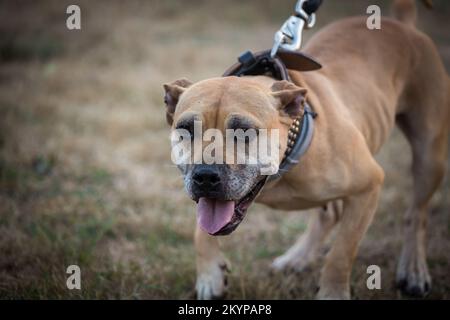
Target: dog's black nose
x,y
207,181
206,176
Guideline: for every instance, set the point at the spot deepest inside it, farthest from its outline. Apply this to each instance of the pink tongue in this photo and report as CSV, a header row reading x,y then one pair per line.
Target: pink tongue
x,y
213,214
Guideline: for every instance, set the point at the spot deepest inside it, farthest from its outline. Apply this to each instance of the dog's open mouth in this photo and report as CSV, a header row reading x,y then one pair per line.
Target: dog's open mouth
x,y
221,217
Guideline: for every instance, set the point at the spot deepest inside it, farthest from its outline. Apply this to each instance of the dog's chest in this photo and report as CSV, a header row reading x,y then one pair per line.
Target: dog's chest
x,y
287,197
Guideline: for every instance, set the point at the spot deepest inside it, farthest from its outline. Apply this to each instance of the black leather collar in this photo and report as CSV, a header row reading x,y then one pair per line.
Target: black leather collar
x,y
260,63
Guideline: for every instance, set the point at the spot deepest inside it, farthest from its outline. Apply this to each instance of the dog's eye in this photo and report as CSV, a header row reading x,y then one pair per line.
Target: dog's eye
x,y
188,126
241,124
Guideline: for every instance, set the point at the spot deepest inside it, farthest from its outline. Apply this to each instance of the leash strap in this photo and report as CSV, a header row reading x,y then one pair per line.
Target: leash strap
x,y
311,6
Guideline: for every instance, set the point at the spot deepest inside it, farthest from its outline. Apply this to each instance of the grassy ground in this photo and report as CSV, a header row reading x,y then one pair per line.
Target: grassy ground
x,y
85,171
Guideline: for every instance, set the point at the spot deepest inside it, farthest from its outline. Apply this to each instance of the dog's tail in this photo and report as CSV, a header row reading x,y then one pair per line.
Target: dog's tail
x,y
406,11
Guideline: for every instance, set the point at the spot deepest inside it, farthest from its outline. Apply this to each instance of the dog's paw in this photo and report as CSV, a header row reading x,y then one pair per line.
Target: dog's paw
x,y
212,281
325,294
296,261
413,278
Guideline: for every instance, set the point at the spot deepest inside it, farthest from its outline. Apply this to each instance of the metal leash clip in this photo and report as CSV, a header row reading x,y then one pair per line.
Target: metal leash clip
x,y
289,37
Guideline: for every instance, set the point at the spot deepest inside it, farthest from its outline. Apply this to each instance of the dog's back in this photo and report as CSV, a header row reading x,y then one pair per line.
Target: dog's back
x,y
397,68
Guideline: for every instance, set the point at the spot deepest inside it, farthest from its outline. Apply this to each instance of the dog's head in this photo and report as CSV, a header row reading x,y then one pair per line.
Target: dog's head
x,y
238,109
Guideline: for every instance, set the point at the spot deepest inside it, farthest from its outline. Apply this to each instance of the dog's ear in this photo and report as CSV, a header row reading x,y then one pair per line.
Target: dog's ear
x,y
173,92
290,97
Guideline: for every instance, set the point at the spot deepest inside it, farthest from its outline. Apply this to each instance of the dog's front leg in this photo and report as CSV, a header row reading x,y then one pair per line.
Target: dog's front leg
x,y
358,213
212,267
305,251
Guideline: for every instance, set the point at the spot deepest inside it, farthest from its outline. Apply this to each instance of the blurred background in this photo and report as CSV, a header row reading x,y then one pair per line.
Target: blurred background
x,y
85,170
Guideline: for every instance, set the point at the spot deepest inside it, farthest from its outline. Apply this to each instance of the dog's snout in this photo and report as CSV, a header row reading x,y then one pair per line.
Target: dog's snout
x,y
207,181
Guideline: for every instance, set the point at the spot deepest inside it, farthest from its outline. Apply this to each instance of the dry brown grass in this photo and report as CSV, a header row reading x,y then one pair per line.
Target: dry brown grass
x,y
85,172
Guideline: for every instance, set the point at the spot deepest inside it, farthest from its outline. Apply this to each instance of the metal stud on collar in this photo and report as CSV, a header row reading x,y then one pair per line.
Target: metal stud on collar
x,y
293,134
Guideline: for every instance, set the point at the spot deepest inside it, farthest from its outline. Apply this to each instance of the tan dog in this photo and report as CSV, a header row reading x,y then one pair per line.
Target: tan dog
x,y
370,81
